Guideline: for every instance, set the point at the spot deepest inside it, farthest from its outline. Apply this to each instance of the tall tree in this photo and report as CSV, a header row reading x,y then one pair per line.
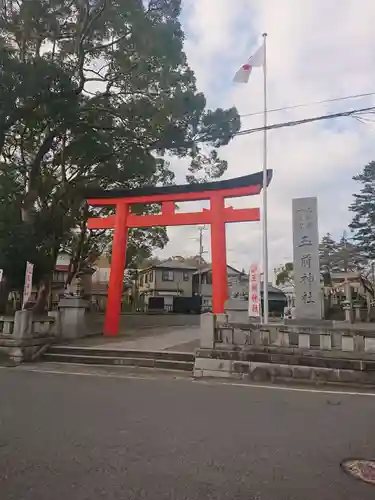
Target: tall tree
x,y
284,275
363,207
94,94
327,254
348,256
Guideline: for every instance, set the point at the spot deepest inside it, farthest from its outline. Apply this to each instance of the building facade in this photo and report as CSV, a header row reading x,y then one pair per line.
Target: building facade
x,y
168,279
238,287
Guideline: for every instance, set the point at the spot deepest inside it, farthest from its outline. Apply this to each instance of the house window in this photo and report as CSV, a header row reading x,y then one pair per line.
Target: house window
x,y
151,276
146,278
186,276
167,276
141,281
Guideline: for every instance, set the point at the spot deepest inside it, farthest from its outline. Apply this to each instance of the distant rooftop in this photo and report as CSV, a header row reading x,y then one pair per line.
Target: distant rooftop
x,y
208,267
171,264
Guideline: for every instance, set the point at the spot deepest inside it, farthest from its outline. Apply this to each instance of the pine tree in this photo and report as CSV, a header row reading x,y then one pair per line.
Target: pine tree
x,y
363,207
348,256
327,253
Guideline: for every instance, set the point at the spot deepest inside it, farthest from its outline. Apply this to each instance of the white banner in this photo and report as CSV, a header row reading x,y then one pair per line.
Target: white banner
x,y
28,283
1,275
254,291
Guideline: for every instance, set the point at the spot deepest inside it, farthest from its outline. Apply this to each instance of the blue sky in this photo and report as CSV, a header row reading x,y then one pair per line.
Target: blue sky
x,y
317,49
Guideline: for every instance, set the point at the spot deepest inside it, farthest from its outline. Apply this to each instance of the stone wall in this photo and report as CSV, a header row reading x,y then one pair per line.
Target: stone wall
x,y
276,366
23,336
277,352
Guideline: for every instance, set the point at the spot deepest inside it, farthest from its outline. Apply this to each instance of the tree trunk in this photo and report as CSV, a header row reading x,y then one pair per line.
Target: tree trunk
x,y
45,285
42,296
4,293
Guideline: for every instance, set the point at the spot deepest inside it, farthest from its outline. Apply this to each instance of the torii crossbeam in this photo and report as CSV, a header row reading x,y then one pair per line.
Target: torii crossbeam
x,y
217,216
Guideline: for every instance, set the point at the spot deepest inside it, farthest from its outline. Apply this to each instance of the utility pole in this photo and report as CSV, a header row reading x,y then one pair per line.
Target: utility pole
x,y
201,252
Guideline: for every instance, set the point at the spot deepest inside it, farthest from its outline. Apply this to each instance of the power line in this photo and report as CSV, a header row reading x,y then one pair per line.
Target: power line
x,y
306,120
325,101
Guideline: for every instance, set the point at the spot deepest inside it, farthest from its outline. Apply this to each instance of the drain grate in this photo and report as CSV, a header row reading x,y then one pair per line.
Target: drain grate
x,y
361,469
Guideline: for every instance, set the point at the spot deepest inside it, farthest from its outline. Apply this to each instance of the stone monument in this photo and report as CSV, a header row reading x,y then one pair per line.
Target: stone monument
x,y
73,309
308,299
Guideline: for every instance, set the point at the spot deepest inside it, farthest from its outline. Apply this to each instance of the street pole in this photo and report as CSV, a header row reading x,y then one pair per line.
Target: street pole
x,y
201,252
264,196
200,259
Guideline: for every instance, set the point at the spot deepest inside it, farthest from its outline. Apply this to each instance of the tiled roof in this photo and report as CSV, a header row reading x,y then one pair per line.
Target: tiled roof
x,y
171,264
207,268
271,289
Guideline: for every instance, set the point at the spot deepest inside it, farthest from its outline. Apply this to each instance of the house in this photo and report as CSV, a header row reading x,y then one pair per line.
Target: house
x,y
168,279
238,283
238,286
100,284
100,281
277,299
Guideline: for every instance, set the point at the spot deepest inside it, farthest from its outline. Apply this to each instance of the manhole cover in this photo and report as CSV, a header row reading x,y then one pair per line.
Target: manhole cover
x,y
360,469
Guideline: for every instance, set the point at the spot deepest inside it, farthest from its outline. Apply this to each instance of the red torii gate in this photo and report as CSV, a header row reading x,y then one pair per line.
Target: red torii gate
x,y
217,216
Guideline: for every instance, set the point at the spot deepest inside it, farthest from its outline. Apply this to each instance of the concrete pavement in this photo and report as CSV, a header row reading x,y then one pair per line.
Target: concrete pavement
x,y
101,434
177,337
169,338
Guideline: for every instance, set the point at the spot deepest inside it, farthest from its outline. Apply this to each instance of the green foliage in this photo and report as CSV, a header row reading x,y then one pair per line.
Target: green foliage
x,y
363,207
19,242
95,94
327,253
285,274
334,256
349,256
339,256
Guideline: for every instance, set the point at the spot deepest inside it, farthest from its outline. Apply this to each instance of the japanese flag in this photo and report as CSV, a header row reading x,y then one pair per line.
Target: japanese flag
x,y
255,61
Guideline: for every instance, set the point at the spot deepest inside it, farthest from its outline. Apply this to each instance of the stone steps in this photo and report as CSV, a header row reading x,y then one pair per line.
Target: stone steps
x,y
118,357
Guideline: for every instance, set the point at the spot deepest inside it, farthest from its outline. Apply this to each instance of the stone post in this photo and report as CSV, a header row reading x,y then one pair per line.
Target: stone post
x,y
357,308
73,324
237,311
306,269
348,292
348,311
23,325
23,330
56,326
207,327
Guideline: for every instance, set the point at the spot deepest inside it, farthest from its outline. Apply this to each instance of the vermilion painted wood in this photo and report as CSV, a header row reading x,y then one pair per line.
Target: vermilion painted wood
x,y
158,198
178,219
219,254
116,278
217,216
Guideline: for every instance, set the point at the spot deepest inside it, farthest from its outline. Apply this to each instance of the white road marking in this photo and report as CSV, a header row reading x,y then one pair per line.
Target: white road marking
x,y
216,382
82,374
297,389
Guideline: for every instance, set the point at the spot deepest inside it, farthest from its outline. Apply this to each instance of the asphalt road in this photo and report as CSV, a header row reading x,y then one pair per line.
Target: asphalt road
x,y
72,437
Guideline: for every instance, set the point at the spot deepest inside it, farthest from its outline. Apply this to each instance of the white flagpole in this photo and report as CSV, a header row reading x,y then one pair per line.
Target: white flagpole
x,y
264,197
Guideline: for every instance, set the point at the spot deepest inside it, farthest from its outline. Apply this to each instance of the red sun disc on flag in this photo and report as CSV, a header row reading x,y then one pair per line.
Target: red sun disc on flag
x,y
246,67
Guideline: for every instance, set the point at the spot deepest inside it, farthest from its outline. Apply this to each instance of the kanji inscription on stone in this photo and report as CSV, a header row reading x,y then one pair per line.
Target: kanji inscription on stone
x,y
306,258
